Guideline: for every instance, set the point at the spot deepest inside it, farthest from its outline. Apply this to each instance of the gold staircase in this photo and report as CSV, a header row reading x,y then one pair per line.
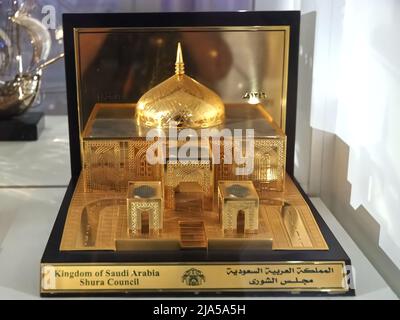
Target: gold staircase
x,y
193,235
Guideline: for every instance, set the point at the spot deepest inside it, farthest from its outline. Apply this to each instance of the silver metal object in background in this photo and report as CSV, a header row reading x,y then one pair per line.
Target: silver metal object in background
x,y
5,51
39,36
18,95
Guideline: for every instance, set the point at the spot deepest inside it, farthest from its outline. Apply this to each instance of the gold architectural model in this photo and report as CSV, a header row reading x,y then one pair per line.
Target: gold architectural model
x,y
122,202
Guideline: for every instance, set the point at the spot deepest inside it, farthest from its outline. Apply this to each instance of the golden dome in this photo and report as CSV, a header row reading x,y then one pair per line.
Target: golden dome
x,y
180,99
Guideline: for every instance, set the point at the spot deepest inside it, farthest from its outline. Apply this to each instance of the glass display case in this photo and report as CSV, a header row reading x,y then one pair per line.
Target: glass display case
x,y
182,151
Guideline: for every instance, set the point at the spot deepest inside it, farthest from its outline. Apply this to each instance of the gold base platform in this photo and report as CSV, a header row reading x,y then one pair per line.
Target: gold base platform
x,y
98,221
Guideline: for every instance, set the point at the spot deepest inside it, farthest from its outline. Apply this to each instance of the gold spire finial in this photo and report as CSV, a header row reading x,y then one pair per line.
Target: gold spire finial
x,y
179,64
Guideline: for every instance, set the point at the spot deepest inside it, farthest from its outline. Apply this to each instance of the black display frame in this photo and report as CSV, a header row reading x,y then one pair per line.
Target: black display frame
x,y
52,254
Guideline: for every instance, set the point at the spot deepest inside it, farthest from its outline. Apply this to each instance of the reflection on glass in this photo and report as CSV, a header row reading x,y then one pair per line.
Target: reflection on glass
x,y
119,66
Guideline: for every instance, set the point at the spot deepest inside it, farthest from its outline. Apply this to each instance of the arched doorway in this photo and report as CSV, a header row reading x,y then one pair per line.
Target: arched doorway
x,y
240,222
145,223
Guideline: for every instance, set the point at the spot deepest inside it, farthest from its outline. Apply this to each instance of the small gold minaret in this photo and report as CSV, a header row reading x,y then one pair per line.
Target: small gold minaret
x,y
180,101
179,64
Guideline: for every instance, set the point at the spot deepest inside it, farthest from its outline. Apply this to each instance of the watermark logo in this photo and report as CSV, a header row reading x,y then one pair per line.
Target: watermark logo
x,y
349,277
49,19
48,278
189,145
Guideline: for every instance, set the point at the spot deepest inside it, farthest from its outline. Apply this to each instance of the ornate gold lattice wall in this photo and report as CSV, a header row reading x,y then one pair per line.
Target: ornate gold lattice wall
x,y
135,211
200,172
145,198
269,166
110,164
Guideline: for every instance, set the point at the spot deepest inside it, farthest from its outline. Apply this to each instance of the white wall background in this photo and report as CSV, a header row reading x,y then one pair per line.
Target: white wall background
x,y
349,87
356,96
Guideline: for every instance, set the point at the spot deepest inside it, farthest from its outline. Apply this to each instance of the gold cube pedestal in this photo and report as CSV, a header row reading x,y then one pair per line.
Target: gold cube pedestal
x,y
238,204
145,203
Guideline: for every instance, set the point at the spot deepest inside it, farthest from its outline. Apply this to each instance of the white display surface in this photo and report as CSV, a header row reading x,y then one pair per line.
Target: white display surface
x,y
45,162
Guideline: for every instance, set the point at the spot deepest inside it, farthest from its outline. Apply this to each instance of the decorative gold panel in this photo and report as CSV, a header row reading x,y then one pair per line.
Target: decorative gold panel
x,y
110,164
269,165
288,276
200,172
241,64
102,165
